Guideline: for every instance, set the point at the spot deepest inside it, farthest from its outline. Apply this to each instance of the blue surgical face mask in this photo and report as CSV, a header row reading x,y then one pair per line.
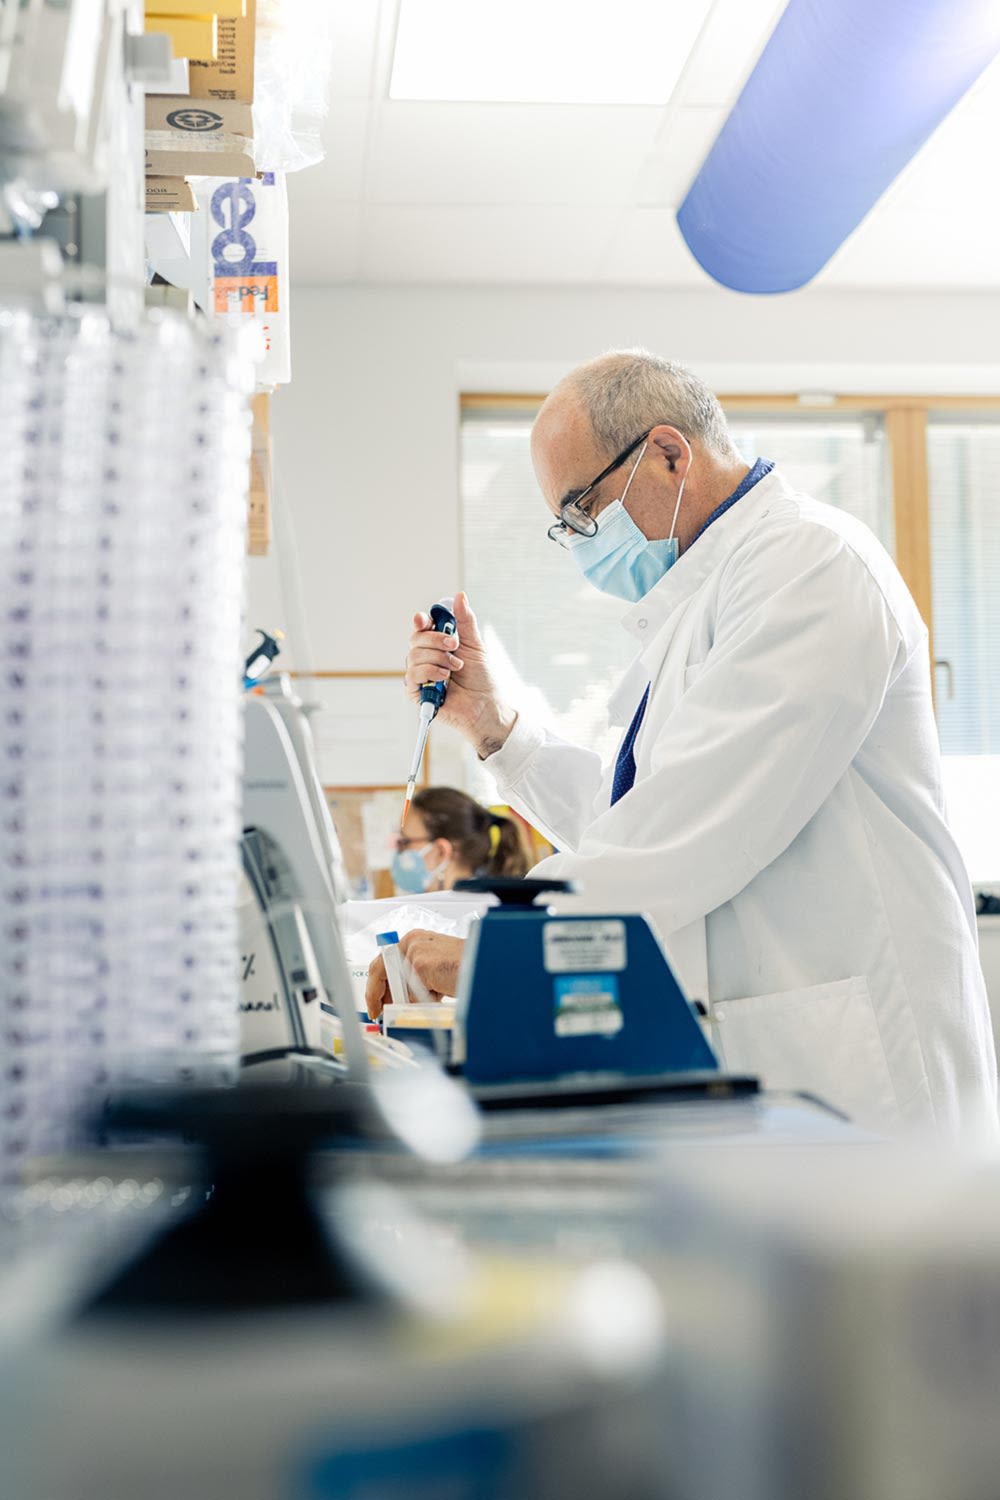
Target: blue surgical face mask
x,y
410,873
619,559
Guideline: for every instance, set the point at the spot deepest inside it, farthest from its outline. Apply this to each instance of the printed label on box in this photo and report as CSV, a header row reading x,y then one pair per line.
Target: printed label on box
x,y
588,1005
230,76
584,947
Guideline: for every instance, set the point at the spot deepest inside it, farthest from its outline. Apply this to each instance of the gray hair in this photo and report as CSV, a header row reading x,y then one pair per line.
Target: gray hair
x,y
629,391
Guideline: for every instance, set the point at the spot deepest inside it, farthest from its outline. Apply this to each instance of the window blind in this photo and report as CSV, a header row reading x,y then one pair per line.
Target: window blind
x,y
840,458
559,643
963,459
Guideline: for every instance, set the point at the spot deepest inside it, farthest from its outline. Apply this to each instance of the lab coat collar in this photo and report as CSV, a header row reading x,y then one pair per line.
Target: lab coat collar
x,y
689,572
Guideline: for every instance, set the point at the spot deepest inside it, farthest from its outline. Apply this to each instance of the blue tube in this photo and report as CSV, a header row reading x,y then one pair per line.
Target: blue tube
x,y
844,94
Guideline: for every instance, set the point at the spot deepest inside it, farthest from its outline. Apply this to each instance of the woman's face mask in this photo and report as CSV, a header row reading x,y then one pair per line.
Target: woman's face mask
x,y
619,559
410,871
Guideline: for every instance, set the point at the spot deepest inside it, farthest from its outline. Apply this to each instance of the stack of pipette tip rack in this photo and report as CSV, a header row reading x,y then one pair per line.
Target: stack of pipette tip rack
x,y
122,516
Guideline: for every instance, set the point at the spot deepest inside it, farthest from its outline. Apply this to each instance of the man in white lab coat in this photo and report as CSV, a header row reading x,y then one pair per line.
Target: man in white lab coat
x,y
775,805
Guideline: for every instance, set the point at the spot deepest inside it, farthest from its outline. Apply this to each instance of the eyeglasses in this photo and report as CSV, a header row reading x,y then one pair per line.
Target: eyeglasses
x,y
401,842
572,517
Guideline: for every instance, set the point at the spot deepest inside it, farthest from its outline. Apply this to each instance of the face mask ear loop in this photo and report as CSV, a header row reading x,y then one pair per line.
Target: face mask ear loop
x,y
635,466
680,492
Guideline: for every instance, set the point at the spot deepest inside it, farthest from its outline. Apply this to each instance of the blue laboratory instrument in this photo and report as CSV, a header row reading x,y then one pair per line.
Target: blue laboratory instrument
x,y
550,999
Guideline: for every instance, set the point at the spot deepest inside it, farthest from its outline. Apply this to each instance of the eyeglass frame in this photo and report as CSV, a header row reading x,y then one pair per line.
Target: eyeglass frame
x,y
402,842
587,525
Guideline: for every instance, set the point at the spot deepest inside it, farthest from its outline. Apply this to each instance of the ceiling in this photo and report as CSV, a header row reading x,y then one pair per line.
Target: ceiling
x,y
583,194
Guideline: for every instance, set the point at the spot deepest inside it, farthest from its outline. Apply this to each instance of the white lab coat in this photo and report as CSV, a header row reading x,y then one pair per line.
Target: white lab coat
x,y
786,831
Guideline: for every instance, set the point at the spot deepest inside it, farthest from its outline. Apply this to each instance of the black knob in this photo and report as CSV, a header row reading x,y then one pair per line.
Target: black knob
x,y
516,893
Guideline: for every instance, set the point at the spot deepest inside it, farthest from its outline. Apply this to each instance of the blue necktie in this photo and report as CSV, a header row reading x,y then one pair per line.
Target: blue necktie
x,y
625,764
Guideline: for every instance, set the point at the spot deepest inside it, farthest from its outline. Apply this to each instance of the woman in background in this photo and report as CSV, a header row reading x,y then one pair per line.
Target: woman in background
x,y
449,836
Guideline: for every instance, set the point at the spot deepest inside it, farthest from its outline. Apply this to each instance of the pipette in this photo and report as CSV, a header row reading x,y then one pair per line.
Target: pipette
x,y
432,695
261,657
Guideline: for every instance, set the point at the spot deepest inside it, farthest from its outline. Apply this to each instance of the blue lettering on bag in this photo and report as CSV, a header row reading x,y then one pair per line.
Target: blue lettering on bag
x,y
233,208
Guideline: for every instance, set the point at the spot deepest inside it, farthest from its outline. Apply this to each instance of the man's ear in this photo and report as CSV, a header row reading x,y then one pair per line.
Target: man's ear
x,y
670,444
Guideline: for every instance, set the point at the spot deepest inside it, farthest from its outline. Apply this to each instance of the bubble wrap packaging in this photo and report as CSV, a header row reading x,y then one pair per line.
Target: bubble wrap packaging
x,y
123,495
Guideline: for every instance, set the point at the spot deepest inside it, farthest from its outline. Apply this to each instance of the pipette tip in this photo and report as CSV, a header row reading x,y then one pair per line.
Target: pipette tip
x,y
409,798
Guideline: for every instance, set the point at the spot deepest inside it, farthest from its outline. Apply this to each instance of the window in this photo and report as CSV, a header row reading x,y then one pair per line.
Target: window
x,y
923,473
840,459
963,461
559,642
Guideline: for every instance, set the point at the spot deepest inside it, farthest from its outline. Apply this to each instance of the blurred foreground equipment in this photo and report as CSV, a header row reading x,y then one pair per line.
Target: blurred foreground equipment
x,y
269,1344
835,1325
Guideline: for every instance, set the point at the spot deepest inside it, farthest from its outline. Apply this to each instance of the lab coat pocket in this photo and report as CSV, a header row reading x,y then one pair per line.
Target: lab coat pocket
x,y
823,1040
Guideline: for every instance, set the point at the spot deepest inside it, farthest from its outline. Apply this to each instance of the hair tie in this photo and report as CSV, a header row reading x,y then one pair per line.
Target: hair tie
x,y
494,836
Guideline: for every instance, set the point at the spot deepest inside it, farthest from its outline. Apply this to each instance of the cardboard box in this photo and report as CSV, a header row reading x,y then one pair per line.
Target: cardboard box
x,y
166,195
231,75
197,138
261,460
197,7
194,36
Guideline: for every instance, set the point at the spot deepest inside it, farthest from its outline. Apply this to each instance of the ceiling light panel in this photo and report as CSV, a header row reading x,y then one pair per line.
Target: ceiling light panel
x,y
543,51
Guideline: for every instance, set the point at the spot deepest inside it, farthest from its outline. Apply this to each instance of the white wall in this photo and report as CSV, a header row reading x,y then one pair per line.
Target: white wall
x,y
366,434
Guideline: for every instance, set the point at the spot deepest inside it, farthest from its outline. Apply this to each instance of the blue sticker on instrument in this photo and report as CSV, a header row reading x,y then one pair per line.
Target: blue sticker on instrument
x,y
587,1005
472,1463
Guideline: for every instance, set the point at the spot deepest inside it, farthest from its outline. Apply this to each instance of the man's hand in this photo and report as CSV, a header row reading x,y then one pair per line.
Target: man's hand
x,y
433,956
473,705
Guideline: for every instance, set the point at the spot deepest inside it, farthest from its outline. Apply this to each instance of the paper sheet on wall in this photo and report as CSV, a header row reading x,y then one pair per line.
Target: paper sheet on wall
x,y
364,729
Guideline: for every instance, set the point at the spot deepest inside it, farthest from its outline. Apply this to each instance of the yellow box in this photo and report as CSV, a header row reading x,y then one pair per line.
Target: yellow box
x,y
231,8
195,36
231,75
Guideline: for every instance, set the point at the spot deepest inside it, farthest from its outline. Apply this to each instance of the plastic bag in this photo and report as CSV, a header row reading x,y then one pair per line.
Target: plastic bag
x,y
292,68
400,917
239,260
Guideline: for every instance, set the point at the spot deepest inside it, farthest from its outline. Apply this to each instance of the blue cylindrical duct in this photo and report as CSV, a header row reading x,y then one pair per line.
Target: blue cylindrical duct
x,y
845,92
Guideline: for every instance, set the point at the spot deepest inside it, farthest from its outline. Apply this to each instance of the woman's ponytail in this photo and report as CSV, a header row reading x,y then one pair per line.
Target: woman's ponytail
x,y
509,853
485,843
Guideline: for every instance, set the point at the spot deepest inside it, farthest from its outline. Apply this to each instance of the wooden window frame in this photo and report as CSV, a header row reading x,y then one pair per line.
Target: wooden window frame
x,y
905,419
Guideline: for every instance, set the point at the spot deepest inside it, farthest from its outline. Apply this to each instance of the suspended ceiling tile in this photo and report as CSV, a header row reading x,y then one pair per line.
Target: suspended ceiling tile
x,y
341,173
486,243
724,57
325,242
647,250
495,153
953,169
683,142
938,224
